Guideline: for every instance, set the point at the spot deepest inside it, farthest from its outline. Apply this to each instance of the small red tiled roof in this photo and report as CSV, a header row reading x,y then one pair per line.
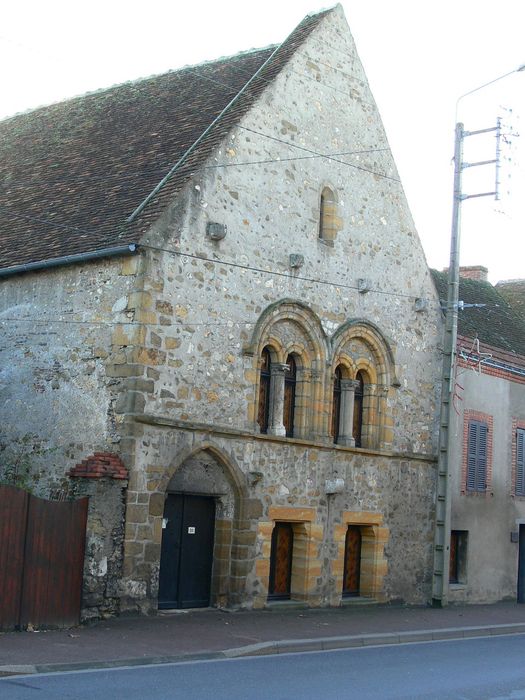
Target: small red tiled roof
x,y
100,465
72,173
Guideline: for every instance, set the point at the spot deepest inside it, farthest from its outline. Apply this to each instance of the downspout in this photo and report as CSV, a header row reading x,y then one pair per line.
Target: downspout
x,y
69,259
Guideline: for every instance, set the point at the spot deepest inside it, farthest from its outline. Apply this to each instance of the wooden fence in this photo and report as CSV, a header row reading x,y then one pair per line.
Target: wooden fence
x,y
41,560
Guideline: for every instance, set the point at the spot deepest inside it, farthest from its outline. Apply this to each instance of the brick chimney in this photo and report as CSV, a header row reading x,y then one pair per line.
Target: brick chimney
x,y
473,272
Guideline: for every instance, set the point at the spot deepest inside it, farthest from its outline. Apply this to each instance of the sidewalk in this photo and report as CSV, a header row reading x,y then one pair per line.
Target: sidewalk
x,y
205,634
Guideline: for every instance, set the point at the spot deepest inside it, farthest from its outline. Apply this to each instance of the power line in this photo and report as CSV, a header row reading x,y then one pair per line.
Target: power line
x,y
83,178
238,69
273,272
303,148
309,150
92,322
225,262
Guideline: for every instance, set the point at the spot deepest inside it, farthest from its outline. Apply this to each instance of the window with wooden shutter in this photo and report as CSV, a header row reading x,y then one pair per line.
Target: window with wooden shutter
x,y
477,456
520,462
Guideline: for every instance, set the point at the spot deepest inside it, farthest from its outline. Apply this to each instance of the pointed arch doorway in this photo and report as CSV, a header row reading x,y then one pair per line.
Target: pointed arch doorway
x,y
187,551
197,529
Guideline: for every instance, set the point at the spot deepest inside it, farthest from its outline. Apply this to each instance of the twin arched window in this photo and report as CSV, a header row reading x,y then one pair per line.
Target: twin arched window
x,y
278,394
295,396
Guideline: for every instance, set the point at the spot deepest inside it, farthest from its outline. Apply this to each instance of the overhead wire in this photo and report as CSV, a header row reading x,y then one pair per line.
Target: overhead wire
x,y
314,154
228,263
276,273
83,178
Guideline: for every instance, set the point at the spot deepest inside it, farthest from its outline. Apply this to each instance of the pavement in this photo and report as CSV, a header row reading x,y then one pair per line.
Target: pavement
x,y
211,634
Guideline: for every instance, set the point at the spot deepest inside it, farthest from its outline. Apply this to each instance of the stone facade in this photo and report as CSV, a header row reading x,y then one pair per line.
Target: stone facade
x,y
158,357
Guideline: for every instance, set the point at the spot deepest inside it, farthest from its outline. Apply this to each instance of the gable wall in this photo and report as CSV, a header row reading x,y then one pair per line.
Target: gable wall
x,y
203,312
272,210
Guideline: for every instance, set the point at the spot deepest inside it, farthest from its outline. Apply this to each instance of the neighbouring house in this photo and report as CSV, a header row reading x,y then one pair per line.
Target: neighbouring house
x,y
218,322
487,552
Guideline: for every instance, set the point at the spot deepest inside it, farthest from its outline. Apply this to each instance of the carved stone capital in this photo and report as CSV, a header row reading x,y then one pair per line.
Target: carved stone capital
x,y
278,368
349,385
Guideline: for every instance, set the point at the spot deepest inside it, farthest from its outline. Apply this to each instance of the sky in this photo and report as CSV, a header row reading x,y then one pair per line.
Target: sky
x,y
420,57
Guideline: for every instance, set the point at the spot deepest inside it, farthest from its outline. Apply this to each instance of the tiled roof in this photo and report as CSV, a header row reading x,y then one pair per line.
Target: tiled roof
x,y
72,173
514,293
495,323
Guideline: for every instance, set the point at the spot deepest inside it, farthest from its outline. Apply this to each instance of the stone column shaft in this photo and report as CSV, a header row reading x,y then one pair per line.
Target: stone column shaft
x,y
275,418
346,413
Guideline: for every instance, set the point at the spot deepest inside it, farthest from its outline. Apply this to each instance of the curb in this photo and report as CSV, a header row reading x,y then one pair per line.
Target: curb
x,y
283,646
286,646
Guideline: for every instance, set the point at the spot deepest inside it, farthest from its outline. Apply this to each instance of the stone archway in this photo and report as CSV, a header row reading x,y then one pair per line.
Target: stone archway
x,y
208,471
203,476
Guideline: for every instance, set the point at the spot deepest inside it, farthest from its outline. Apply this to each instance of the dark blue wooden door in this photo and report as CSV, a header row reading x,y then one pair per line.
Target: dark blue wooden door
x,y
187,552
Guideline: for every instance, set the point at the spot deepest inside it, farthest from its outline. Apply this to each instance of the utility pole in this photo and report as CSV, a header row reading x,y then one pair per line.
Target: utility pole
x,y
440,573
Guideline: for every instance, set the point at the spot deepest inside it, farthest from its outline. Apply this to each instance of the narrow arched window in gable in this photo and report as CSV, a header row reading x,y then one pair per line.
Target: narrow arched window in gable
x,y
263,413
336,404
290,382
329,223
357,431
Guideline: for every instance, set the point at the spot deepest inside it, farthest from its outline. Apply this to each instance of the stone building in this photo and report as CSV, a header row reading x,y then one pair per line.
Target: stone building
x,y
487,561
212,278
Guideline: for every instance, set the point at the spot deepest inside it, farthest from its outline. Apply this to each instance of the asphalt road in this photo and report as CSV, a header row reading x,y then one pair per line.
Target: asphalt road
x,y
467,669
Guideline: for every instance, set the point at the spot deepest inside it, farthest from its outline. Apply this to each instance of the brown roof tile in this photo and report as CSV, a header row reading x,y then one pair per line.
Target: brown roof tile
x,y
72,173
495,322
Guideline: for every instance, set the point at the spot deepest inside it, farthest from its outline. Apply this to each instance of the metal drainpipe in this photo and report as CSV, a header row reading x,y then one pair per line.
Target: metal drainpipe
x,y
69,259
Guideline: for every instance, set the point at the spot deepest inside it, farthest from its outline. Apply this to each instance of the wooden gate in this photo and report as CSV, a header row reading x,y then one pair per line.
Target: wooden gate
x,y
41,560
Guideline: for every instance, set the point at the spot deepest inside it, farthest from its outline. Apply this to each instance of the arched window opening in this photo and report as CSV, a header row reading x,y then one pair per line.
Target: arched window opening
x,y
328,221
336,404
290,382
322,206
358,410
263,413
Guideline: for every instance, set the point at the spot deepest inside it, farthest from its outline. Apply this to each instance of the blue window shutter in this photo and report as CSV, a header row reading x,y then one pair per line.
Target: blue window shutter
x,y
471,455
481,475
520,462
477,456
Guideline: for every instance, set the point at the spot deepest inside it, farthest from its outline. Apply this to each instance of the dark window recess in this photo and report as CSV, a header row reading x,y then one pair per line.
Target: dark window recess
x,y
281,562
477,456
290,380
264,391
336,404
322,215
458,556
520,462
358,410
